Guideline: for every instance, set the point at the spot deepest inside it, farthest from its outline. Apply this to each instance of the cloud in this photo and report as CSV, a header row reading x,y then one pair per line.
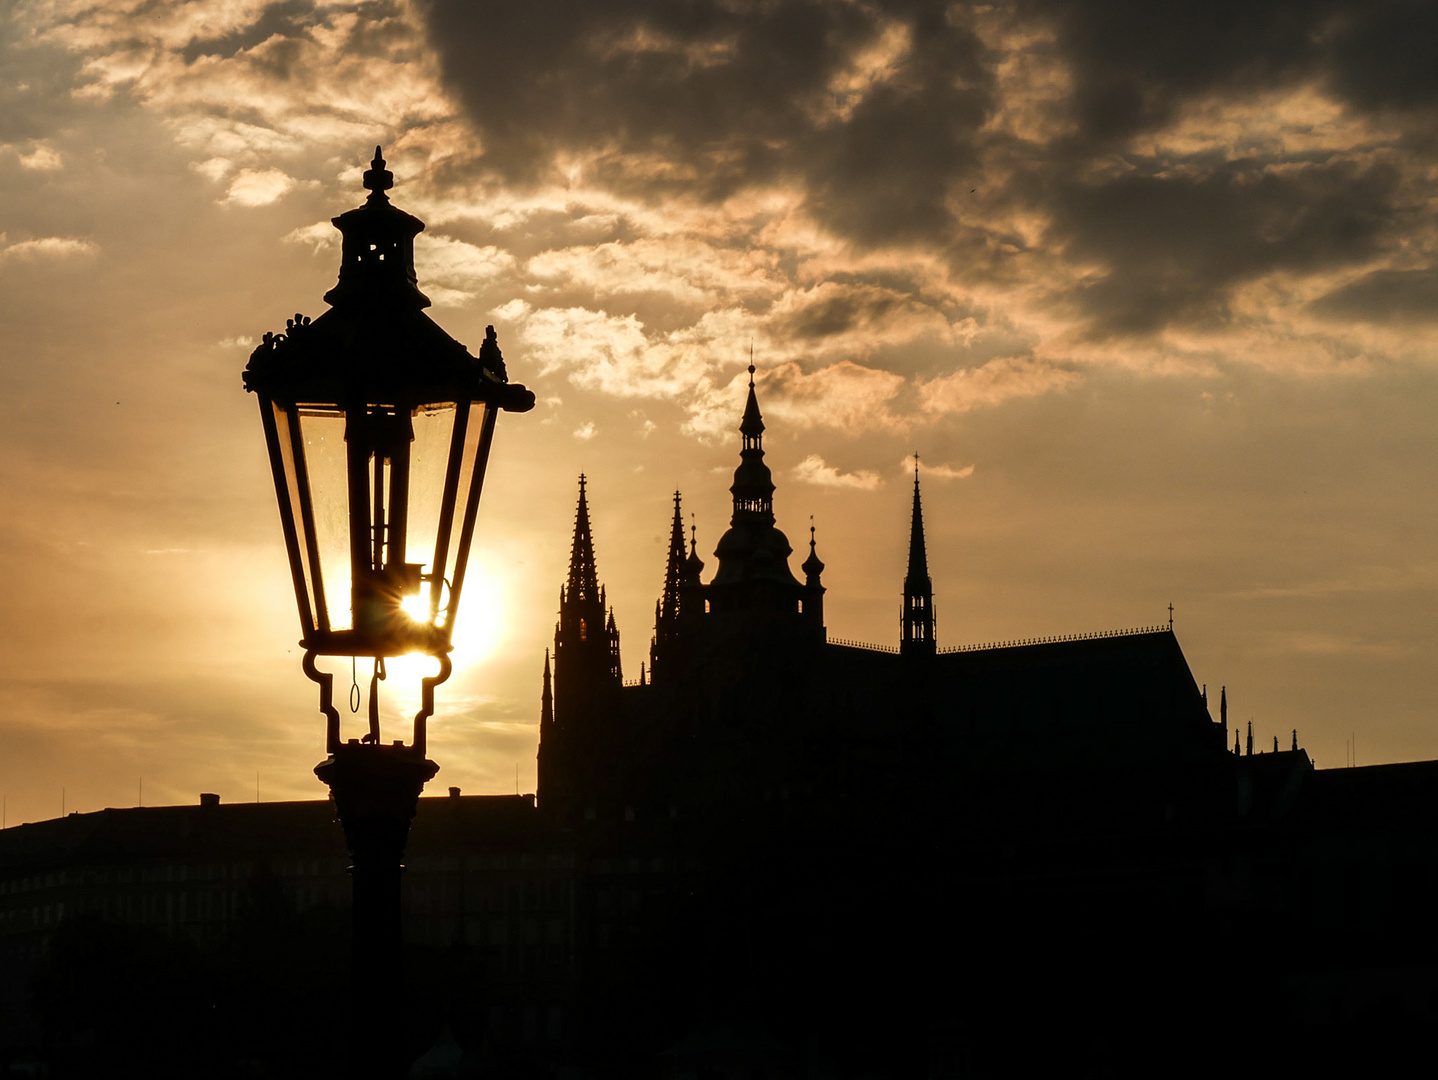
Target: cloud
x,y
47,248
873,106
585,432
213,169
1172,246
812,470
455,269
258,187
42,159
1385,296
936,472
991,384
322,236
844,396
687,269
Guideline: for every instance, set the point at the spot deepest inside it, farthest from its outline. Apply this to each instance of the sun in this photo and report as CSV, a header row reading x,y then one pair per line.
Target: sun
x,y
477,635
478,626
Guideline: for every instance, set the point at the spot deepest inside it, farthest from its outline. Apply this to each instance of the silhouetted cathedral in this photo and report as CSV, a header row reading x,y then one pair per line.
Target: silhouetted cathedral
x,y
745,696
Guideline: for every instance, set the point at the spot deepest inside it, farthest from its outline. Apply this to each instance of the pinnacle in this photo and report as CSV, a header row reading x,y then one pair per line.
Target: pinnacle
x,y
583,575
918,575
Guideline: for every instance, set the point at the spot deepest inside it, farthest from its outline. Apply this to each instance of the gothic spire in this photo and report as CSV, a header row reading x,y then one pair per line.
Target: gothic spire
x,y
674,568
917,617
546,697
918,576
583,578
667,607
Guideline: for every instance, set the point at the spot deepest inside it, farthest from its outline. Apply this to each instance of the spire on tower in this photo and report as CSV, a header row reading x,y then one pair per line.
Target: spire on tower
x,y
583,577
813,566
546,698
917,578
752,424
917,618
753,487
812,605
666,608
694,565
674,566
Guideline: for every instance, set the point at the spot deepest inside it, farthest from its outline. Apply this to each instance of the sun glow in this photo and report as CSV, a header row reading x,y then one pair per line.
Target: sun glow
x,y
477,631
481,619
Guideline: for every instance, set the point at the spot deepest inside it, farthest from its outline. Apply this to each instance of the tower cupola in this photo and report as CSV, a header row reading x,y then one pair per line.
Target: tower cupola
x,y
753,487
752,550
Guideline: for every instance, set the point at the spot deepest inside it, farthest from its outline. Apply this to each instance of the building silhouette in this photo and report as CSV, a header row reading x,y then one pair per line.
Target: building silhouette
x,y
775,854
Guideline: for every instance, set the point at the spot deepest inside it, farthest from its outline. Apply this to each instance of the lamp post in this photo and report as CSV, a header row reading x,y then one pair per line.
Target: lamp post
x,y
379,427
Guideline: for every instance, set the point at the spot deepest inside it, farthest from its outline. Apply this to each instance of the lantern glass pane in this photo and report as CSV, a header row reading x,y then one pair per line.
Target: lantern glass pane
x,y
471,475
429,460
324,436
296,515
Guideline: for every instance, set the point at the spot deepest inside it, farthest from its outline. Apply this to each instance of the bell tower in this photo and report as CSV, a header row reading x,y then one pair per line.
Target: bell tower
x,y
587,676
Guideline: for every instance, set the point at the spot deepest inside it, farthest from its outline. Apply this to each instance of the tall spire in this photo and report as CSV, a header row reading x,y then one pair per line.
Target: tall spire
x,y
674,567
918,576
666,608
917,617
583,577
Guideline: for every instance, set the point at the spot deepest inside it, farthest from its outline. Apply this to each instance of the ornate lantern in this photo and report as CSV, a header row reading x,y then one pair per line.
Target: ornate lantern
x,y
379,426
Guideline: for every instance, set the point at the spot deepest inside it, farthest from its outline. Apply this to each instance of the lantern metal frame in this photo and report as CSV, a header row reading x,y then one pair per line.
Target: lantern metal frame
x,y
377,362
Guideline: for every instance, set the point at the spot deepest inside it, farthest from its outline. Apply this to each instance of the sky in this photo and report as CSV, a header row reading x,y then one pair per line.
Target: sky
x,y
1150,287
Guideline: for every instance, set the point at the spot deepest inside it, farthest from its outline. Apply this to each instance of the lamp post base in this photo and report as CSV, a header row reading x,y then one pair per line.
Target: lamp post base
x,y
376,792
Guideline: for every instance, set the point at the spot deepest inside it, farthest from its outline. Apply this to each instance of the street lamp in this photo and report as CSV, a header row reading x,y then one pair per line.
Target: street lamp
x,y
379,426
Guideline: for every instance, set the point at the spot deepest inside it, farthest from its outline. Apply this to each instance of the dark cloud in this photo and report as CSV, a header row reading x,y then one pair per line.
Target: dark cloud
x,y
35,92
1385,296
839,310
282,19
728,94
1174,245
1136,62
706,97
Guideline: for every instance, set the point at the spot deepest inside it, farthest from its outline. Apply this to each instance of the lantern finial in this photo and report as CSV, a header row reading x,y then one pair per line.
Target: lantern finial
x,y
378,179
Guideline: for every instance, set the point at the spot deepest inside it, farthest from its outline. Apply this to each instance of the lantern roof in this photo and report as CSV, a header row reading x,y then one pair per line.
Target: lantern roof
x,y
375,343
